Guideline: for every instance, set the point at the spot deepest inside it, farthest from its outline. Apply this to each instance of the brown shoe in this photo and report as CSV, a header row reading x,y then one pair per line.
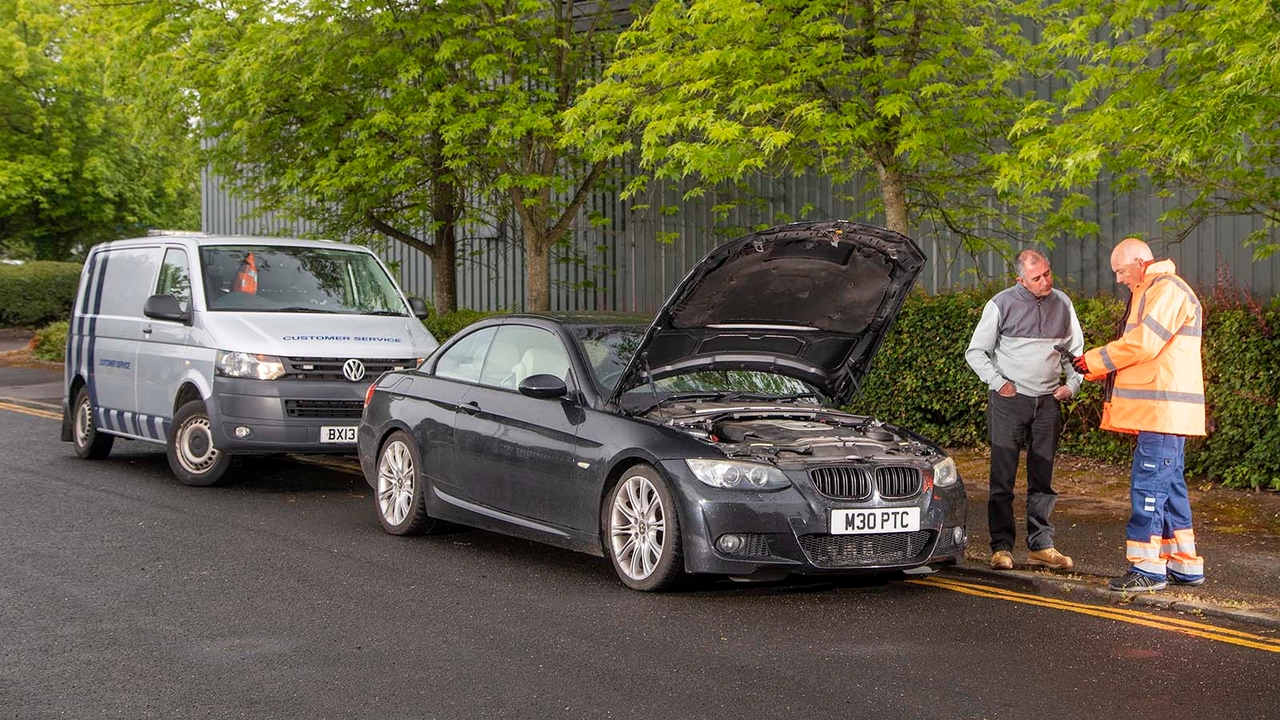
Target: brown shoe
x,y
1050,558
1002,560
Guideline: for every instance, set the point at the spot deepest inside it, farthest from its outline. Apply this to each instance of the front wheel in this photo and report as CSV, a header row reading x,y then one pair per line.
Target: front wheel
x,y
193,456
89,443
643,531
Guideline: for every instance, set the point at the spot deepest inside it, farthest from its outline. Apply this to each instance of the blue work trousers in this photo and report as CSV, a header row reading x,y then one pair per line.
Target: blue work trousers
x,y
1159,538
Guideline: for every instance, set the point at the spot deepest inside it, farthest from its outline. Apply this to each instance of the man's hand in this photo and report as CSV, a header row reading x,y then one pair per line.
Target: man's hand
x,y
1062,393
1080,365
1007,390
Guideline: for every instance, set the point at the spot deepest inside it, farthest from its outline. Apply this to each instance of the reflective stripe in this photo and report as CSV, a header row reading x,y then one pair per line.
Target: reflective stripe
x,y
1181,285
1157,328
1163,395
1189,330
1130,326
1193,567
1137,551
1106,360
1145,556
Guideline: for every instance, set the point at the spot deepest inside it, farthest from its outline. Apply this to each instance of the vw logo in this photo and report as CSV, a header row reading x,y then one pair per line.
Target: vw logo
x,y
353,370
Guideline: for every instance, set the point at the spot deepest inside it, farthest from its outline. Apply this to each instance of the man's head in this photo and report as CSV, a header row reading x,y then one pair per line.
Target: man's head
x,y
1129,262
1033,272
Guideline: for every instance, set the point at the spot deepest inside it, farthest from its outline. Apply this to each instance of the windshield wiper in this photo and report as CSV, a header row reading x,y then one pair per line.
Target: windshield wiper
x,y
730,397
303,309
391,313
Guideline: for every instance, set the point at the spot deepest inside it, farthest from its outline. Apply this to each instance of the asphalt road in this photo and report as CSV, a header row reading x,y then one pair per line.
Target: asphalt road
x,y
124,594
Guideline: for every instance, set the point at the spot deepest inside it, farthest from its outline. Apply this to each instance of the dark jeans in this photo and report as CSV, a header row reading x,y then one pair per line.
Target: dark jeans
x,y
1014,423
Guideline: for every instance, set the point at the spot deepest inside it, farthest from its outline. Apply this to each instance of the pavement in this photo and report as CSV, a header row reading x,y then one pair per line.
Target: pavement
x,y
1237,531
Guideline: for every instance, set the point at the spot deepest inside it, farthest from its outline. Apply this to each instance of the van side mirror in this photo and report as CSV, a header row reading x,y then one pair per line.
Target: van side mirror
x,y
419,308
543,386
165,307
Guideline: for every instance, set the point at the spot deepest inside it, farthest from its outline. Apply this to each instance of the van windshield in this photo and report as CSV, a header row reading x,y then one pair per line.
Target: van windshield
x,y
264,278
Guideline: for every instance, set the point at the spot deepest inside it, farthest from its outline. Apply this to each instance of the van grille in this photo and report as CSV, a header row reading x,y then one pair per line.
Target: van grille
x,y
336,409
303,368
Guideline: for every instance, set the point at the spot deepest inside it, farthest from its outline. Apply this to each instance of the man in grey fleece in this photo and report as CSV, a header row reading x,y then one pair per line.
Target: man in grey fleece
x,y
1012,352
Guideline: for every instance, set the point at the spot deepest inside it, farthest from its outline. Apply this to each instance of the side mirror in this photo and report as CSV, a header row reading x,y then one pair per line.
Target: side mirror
x,y
165,307
419,308
543,386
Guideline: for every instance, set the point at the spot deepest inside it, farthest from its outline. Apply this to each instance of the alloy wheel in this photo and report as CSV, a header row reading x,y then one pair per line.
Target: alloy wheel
x,y
637,527
395,482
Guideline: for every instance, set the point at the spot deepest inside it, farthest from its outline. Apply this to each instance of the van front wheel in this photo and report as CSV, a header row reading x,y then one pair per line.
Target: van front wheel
x,y
193,456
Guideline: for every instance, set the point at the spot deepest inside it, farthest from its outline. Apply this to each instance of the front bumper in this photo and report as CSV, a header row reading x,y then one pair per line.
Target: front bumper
x,y
284,415
788,531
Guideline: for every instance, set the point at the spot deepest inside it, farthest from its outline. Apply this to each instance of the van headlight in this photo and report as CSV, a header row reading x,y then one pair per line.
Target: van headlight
x,y
248,365
945,473
736,475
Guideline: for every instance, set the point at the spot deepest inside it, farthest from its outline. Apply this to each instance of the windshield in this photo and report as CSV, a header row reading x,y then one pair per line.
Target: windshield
x,y
263,278
609,349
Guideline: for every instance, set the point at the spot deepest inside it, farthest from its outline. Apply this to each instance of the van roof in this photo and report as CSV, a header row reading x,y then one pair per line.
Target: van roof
x,y
199,239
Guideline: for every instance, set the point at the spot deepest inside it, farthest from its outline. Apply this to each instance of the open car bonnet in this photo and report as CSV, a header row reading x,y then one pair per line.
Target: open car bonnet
x,y
812,301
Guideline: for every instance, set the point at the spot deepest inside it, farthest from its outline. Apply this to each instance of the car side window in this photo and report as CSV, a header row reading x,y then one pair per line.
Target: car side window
x,y
175,278
464,360
519,351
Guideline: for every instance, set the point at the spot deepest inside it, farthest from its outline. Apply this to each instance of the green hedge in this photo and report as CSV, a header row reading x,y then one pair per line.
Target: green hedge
x,y
51,341
920,380
443,327
37,293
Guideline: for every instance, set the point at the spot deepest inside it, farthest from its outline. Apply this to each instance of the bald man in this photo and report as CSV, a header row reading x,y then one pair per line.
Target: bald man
x,y
1155,389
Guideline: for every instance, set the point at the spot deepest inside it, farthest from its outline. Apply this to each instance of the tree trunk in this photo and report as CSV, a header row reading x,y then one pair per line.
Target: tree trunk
x,y
445,210
537,272
893,190
444,269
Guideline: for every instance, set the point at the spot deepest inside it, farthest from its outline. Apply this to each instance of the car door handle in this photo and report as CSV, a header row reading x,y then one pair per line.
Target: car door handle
x,y
470,408
146,331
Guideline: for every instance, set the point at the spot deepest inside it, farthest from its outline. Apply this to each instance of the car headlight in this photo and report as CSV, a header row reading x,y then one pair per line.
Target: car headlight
x,y
738,475
248,365
945,473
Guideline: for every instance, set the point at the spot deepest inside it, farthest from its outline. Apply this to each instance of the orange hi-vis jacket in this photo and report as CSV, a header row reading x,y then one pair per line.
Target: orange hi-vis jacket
x,y
1159,384
246,280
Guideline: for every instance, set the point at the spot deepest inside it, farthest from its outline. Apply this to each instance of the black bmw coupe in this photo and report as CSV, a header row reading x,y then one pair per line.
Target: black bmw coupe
x,y
709,440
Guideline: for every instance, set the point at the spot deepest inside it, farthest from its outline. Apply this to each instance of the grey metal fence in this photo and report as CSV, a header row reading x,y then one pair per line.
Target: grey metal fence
x,y
634,260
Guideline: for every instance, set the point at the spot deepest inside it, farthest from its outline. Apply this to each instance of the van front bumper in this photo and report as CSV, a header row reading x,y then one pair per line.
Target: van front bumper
x,y
284,415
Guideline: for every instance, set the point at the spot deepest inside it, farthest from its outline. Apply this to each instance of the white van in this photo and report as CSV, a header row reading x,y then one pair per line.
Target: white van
x,y
223,346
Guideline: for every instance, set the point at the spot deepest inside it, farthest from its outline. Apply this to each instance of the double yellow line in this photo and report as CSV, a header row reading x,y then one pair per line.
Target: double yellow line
x,y
1186,627
29,407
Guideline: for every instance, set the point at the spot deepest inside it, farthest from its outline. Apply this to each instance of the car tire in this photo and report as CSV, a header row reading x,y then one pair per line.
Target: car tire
x,y
89,443
400,496
193,457
642,531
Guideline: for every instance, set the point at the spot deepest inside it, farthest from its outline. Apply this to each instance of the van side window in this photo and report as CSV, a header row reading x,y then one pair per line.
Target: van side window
x,y
175,277
127,280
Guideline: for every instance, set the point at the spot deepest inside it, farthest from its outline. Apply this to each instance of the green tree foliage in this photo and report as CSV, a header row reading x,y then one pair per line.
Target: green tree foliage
x,y
1185,95
376,119
327,112
916,96
80,160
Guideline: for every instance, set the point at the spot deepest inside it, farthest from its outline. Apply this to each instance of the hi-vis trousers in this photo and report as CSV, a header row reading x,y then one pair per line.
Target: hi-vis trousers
x,y
1159,537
